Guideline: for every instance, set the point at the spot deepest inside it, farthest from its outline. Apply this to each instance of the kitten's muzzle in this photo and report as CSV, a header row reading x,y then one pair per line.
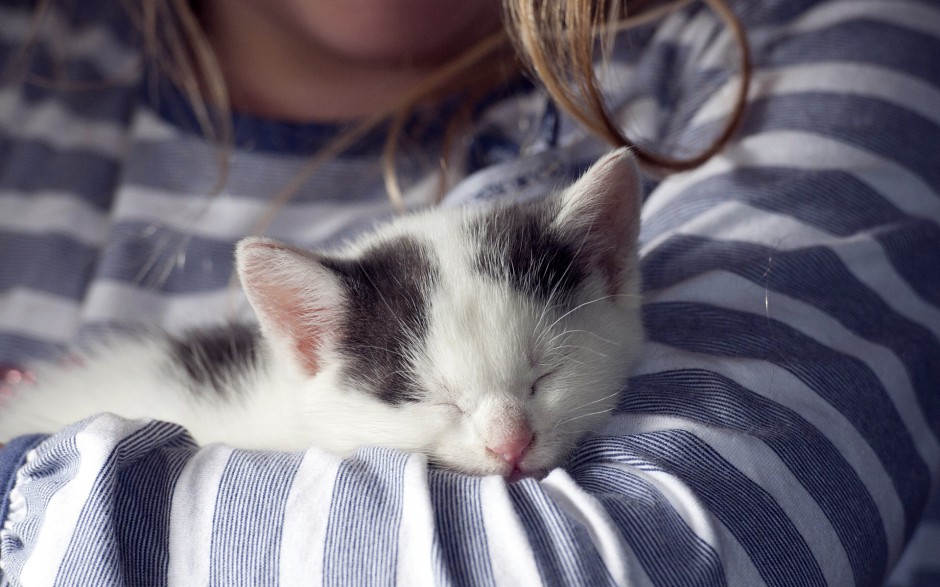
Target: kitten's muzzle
x,y
513,448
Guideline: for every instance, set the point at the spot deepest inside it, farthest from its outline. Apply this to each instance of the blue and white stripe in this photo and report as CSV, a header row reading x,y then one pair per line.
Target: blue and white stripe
x,y
782,428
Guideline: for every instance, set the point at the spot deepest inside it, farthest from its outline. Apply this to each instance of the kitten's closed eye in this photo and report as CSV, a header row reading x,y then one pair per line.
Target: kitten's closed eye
x,y
452,407
541,379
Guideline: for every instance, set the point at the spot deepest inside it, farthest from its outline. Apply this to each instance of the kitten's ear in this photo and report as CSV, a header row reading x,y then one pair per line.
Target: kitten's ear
x,y
299,302
600,214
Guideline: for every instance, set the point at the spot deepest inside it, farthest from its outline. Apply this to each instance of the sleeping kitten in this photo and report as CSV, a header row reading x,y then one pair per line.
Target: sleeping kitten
x,y
490,338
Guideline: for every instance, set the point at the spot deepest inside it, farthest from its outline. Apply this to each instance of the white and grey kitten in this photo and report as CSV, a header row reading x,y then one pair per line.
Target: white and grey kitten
x,y
490,338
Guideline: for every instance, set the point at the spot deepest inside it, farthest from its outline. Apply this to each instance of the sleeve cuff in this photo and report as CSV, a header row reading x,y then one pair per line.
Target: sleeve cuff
x,y
12,457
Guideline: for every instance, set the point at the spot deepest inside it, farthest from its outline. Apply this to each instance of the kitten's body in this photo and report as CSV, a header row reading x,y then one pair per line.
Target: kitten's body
x,y
491,339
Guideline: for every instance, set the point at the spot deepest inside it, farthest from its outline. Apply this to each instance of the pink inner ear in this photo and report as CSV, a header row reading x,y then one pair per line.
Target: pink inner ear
x,y
302,326
295,299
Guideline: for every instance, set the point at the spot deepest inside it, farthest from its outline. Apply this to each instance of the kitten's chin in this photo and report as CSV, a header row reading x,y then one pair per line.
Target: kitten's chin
x,y
507,471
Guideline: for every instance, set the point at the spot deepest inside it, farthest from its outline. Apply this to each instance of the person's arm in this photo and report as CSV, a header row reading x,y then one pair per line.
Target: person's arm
x,y
781,429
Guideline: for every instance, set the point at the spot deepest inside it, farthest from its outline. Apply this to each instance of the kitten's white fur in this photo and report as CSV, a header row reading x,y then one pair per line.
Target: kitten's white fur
x,y
485,346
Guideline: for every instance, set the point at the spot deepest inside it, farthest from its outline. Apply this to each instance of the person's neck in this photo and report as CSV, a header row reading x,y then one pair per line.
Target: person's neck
x,y
271,71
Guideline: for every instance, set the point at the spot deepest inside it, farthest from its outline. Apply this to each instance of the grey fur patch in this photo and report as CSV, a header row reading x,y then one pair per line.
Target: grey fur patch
x,y
386,314
211,358
516,244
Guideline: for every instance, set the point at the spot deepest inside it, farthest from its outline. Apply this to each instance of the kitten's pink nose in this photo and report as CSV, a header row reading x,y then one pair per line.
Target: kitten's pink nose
x,y
512,448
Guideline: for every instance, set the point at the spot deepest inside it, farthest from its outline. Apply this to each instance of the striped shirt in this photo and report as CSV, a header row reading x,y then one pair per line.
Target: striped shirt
x,y
781,429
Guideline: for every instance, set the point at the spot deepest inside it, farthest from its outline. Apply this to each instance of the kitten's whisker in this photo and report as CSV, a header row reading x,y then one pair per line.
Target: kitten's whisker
x,y
584,348
582,406
540,335
579,306
548,305
581,416
588,332
565,356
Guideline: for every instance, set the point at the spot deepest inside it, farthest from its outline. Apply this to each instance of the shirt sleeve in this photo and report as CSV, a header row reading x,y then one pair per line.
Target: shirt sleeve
x,y
781,427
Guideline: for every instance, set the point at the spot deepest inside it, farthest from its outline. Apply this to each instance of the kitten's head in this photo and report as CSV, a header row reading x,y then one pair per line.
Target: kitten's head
x,y
489,338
